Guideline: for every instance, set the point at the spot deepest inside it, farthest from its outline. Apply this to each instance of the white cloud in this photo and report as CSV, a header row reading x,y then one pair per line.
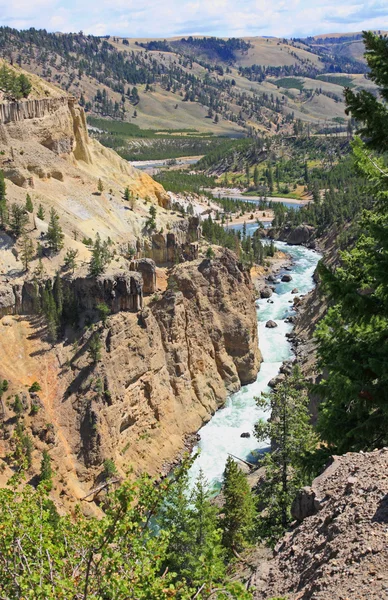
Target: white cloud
x,y
164,18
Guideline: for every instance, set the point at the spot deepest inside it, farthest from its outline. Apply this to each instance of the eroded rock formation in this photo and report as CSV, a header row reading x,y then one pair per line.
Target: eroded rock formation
x,y
164,369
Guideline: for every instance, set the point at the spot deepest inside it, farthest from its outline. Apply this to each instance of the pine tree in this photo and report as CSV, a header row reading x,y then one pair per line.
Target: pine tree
x,y
194,550
18,220
58,296
40,213
3,201
292,439
27,252
100,186
55,235
270,178
104,312
256,177
127,194
101,256
70,259
46,472
352,338
29,206
248,174
24,85
94,349
50,311
239,508
17,406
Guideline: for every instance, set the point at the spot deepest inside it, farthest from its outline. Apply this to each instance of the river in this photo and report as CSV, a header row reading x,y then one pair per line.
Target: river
x,y
222,434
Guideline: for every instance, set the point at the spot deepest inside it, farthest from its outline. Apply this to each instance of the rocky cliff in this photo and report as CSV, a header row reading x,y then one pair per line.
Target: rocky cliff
x,y
164,370
339,551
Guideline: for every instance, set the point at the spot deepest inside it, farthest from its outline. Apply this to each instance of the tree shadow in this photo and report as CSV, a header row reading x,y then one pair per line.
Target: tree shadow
x,y
381,514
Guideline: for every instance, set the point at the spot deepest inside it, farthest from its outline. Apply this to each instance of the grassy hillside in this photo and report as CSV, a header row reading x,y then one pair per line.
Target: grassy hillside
x,y
226,87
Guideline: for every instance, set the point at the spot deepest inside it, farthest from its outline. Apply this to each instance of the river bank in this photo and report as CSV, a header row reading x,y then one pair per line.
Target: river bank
x,y
222,434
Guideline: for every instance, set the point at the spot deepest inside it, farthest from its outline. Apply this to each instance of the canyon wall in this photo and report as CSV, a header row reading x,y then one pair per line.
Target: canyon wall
x,y
167,363
166,369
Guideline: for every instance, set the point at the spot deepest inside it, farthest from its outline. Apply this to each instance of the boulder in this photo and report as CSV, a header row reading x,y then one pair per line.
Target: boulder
x,y
295,291
266,292
304,504
286,278
271,324
245,434
276,380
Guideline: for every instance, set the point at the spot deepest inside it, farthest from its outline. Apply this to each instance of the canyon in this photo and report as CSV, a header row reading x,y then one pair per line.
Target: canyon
x,y
178,341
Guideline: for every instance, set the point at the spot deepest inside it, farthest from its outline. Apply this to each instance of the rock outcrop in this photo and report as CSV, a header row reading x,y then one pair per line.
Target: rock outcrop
x,y
119,289
166,369
146,267
340,549
166,366
301,234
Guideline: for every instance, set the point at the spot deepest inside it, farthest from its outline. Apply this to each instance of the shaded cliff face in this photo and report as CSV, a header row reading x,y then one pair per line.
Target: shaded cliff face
x,y
164,370
119,289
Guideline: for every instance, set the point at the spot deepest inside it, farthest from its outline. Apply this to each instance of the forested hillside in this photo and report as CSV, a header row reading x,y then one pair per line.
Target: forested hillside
x,y
207,84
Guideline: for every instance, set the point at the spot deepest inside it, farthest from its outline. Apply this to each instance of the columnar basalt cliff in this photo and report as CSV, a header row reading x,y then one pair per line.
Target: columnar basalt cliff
x,y
119,290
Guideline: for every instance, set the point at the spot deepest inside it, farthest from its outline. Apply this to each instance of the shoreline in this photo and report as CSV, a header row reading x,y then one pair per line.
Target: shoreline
x,y
235,193
258,274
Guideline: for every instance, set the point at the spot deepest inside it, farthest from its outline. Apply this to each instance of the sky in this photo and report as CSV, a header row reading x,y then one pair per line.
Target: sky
x,y
167,18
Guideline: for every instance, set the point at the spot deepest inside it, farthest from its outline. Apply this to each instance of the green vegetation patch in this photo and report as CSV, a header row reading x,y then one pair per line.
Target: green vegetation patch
x,y
341,80
289,83
181,181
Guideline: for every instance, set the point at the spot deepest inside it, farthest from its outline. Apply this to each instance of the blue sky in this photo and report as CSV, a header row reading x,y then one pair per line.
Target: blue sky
x,y
165,18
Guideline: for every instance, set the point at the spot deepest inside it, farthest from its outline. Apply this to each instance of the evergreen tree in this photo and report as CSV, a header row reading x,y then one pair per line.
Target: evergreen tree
x,y
55,235
46,472
18,220
100,186
101,256
29,206
292,439
256,177
352,338
248,174
27,252
70,259
239,508
127,194
58,296
270,178
40,213
50,311
24,85
114,556
3,201
104,312
17,406
194,550
94,349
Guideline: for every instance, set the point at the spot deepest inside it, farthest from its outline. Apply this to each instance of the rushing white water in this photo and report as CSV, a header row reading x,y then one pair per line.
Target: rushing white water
x,y
222,434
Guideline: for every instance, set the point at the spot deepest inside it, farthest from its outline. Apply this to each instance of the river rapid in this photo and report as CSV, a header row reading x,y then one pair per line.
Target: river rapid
x,y
222,434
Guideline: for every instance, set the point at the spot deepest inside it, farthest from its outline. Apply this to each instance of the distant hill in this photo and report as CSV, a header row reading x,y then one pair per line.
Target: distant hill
x,y
217,85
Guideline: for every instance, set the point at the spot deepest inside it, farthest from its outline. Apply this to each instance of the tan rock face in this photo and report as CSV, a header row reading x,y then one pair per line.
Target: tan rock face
x,y
163,372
